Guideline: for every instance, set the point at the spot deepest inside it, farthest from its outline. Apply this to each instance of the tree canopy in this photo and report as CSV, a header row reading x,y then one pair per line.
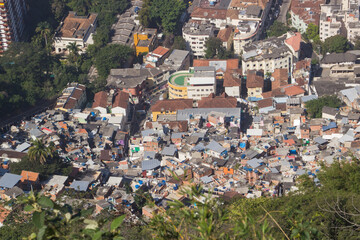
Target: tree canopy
x,y
312,33
335,44
164,14
112,56
214,48
314,107
277,29
316,211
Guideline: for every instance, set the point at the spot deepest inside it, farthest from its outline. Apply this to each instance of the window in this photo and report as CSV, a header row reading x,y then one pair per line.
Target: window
x,y
248,65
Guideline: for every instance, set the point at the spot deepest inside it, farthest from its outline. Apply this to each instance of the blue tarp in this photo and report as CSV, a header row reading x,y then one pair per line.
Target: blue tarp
x,y
330,126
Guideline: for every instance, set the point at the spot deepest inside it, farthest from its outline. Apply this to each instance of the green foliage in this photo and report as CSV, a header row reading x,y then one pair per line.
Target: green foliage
x,y
141,198
204,219
214,48
112,56
314,107
43,160
164,14
335,44
277,29
23,77
179,43
312,33
53,221
329,210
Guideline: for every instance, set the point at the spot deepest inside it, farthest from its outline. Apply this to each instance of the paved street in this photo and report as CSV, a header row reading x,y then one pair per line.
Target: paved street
x,y
283,10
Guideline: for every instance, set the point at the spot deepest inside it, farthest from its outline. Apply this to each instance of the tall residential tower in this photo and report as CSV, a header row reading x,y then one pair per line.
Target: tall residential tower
x,y
12,22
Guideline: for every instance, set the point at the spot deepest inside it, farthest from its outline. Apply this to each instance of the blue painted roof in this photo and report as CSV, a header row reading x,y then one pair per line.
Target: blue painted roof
x,y
206,179
150,164
215,146
9,180
80,185
330,126
169,151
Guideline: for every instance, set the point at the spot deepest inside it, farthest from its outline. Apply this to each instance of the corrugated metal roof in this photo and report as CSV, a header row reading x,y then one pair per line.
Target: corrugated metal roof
x,y
150,164
80,185
9,180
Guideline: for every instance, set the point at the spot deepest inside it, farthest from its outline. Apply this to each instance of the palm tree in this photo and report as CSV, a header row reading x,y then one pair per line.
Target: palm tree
x,y
73,52
44,29
38,152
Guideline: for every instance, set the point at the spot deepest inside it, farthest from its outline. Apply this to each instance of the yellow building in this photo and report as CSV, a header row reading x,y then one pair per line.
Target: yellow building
x,y
169,107
196,83
254,85
145,41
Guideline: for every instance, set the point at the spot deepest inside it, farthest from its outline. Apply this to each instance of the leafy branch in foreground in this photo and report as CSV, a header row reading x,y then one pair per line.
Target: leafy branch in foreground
x,y
53,221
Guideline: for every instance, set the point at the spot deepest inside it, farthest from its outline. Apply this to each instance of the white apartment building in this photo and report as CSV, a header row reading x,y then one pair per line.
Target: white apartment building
x,y
78,29
196,83
271,53
245,32
196,35
12,22
304,12
340,17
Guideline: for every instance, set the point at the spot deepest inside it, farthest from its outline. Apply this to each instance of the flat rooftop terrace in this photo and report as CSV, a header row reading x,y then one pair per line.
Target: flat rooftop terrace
x,y
180,79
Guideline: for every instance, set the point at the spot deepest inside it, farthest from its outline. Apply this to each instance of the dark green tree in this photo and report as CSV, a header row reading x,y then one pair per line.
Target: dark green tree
x,y
312,33
164,14
335,44
314,107
277,29
179,43
112,56
213,48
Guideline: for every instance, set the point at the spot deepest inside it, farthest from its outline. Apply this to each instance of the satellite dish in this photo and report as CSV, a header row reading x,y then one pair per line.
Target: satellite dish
x,y
272,79
112,91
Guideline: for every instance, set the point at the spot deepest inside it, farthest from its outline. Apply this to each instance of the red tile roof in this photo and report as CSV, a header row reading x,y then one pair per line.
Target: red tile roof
x,y
213,101
149,66
294,90
224,34
280,76
208,13
171,105
303,64
29,176
232,78
160,51
294,41
100,99
254,79
121,99
268,102
73,25
230,63
3,214
302,8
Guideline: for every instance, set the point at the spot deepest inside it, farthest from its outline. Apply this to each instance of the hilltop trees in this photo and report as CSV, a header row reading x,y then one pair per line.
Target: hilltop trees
x,y
314,107
164,14
335,44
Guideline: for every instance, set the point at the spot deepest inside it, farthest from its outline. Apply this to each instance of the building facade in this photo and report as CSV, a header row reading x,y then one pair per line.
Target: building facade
x,y
196,83
12,22
195,35
78,29
267,55
340,17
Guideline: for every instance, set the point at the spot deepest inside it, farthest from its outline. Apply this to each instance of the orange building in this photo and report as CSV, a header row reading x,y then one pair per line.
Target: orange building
x,y
145,41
